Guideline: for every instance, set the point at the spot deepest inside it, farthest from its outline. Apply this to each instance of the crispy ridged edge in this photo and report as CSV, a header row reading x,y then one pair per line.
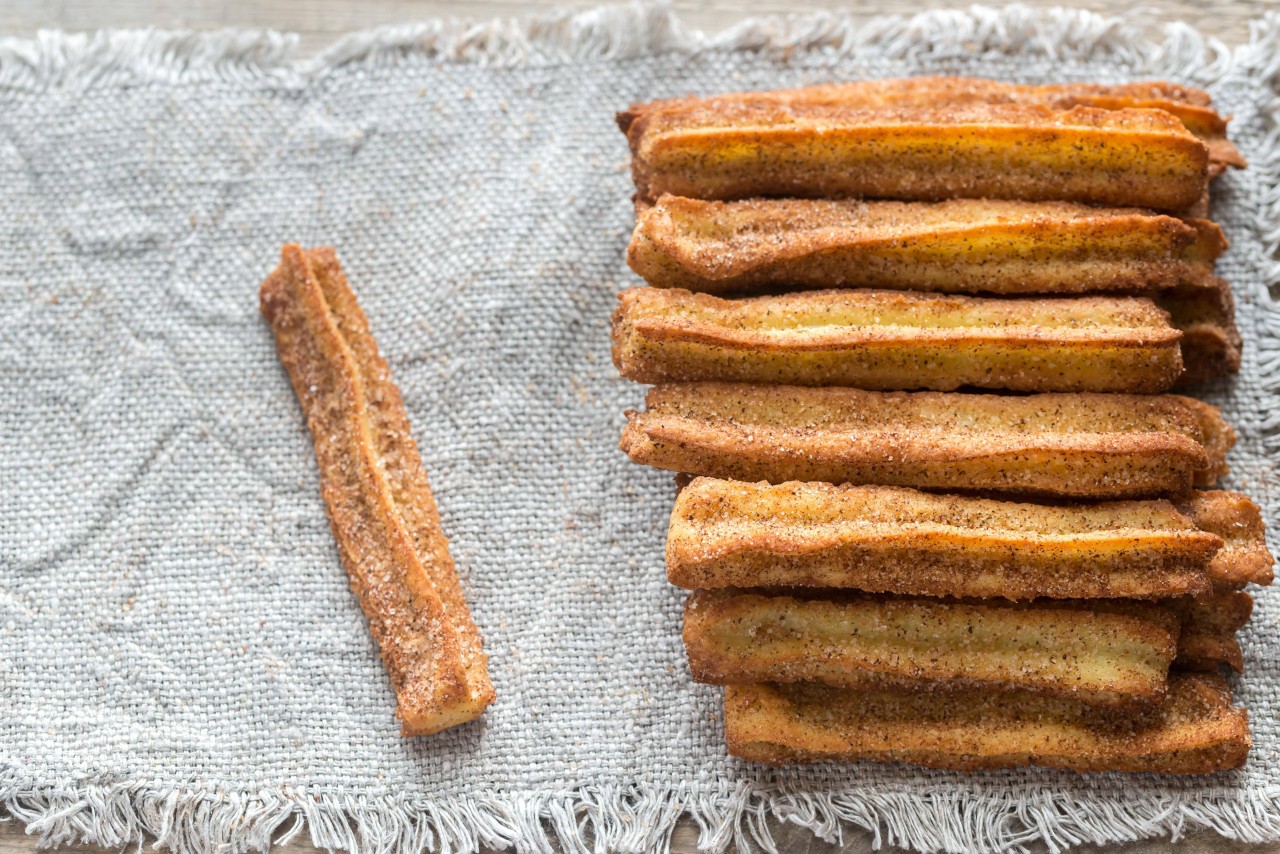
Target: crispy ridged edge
x,y
1210,352
1209,625
953,246
1206,315
885,539
1217,435
1194,731
1190,106
379,501
1100,658
1244,557
886,340
734,150
1209,653
1068,445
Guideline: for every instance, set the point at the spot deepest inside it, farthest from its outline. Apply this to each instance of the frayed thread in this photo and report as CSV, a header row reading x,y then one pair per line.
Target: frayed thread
x,y
625,820
628,818
581,821
619,32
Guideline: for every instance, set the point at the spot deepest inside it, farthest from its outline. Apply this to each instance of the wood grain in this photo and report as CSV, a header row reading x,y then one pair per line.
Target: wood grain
x,y
320,22
789,838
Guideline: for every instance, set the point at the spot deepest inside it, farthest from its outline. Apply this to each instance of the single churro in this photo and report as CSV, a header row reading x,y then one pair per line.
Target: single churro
x,y
1066,445
744,148
887,340
1195,730
380,505
885,539
1100,657
1192,107
953,246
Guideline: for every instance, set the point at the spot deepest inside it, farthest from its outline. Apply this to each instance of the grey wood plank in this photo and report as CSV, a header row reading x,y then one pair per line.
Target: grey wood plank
x,y
321,21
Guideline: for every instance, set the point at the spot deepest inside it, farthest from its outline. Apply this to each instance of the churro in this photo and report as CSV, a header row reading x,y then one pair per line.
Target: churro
x,y
884,340
380,505
1195,730
1065,445
739,149
861,641
893,540
1192,107
954,246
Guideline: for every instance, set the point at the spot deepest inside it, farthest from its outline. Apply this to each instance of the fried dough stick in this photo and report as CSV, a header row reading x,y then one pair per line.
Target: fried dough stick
x,y
884,539
1121,158
1063,445
1194,731
1190,106
1099,658
885,340
380,506
954,246
1244,557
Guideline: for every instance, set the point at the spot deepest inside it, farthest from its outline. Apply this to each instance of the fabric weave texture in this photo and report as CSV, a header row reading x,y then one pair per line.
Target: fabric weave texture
x,y
180,654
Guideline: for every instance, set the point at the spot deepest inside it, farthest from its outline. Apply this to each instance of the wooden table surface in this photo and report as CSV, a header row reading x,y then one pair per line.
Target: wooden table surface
x,y
319,22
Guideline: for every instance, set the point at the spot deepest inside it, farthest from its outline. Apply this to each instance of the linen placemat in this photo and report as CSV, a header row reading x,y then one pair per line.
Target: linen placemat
x,y
180,654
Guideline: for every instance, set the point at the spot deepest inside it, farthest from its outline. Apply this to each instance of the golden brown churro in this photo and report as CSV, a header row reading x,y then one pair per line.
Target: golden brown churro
x,y
739,149
383,515
860,641
1244,557
885,539
886,340
1194,731
1190,106
953,246
1068,445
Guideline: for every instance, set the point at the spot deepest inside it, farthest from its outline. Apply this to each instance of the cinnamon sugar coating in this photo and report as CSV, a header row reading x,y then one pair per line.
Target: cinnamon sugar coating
x,y
954,246
379,502
888,340
1098,657
884,539
1195,730
737,149
1090,446
1191,106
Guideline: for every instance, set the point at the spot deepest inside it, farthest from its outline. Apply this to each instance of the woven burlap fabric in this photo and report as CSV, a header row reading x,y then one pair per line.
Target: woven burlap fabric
x,y
180,654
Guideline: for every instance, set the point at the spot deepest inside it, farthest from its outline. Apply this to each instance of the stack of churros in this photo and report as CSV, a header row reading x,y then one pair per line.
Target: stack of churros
x,y
912,345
